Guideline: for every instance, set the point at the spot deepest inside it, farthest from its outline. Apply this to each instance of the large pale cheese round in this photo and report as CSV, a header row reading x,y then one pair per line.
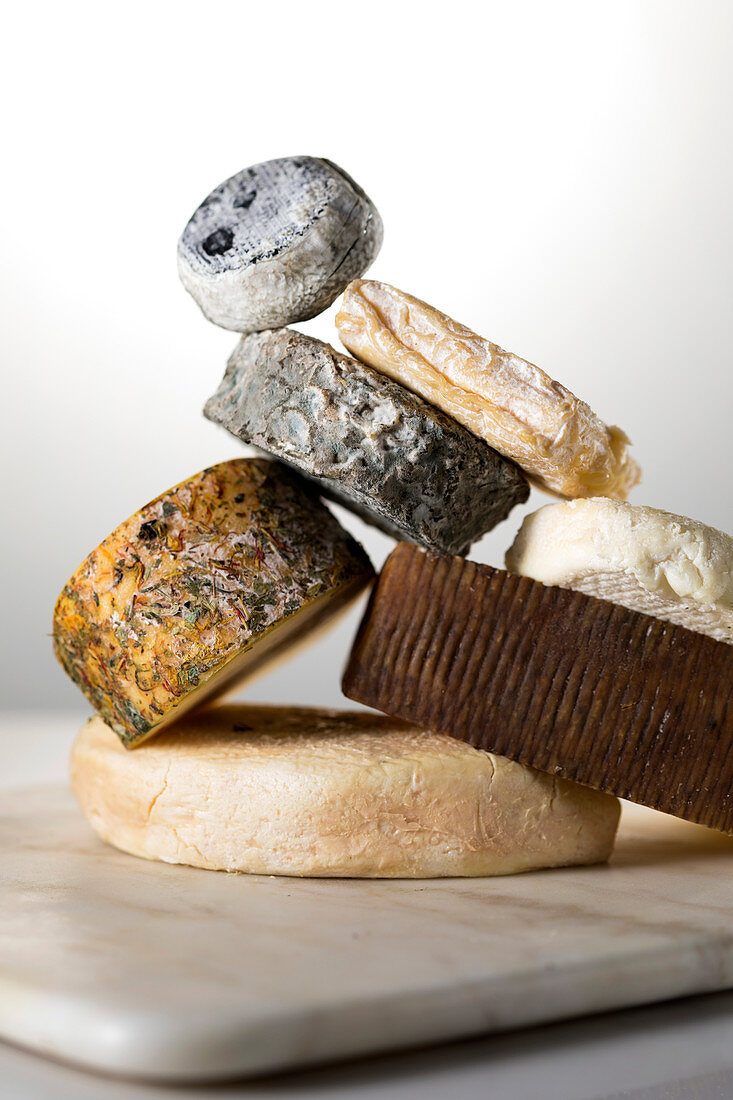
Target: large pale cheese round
x,y
645,559
199,588
300,791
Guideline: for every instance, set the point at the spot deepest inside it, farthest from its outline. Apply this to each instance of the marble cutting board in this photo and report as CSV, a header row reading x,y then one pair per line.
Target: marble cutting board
x,y
171,973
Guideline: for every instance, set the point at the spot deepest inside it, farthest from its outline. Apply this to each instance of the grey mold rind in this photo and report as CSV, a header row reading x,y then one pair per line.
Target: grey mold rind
x,y
370,444
307,232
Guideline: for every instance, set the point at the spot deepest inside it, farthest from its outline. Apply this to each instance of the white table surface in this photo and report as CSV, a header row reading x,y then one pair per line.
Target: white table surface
x,y
665,1052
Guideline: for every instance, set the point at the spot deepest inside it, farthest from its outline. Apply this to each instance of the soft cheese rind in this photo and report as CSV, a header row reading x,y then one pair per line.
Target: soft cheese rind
x,y
518,409
277,243
648,560
197,587
299,791
369,442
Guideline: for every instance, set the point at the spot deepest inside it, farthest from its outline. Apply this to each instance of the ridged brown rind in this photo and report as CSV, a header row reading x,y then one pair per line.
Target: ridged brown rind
x,y
569,684
158,615
367,442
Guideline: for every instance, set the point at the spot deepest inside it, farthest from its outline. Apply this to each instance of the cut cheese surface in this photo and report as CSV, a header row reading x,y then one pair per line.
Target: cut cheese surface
x,y
198,588
370,443
648,560
510,403
301,791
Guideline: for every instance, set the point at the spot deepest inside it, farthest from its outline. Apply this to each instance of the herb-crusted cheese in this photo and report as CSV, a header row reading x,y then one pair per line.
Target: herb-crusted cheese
x,y
197,588
370,443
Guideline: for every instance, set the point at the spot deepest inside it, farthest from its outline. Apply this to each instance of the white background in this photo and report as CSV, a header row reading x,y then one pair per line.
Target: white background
x,y
558,175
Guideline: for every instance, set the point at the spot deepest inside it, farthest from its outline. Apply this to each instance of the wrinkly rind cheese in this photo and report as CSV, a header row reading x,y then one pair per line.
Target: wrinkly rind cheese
x,y
299,791
277,243
643,558
196,588
511,403
370,443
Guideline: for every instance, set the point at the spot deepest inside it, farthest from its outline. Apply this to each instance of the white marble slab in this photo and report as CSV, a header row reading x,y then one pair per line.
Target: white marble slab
x,y
172,973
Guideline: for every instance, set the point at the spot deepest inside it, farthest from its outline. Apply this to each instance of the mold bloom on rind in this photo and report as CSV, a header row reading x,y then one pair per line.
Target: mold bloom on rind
x,y
512,404
197,588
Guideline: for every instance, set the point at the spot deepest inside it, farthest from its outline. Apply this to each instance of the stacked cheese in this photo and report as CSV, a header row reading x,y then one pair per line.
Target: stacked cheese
x,y
431,432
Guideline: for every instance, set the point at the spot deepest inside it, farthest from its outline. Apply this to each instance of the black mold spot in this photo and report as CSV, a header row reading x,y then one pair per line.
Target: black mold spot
x,y
218,242
245,200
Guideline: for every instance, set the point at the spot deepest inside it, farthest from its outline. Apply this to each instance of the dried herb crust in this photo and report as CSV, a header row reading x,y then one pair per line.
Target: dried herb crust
x,y
193,580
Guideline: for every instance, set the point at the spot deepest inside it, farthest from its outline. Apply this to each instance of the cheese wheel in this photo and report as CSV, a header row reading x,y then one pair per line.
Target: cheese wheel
x,y
558,680
200,587
512,404
300,791
642,558
370,444
277,243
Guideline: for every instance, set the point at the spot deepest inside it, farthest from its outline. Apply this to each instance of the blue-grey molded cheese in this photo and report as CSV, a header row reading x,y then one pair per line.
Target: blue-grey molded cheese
x,y
370,444
277,243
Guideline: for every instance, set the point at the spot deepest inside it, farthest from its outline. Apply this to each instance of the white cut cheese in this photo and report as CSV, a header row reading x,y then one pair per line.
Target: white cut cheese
x,y
300,791
642,558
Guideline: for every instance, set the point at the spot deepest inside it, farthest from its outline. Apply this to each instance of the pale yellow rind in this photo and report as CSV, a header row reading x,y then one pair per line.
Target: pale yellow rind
x,y
299,791
515,406
645,559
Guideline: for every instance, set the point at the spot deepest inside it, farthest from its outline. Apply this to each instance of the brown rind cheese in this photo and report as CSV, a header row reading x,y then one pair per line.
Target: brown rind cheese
x,y
569,684
197,588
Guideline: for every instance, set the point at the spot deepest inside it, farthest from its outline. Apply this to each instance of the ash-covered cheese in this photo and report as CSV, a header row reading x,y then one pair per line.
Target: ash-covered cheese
x,y
300,791
371,444
277,243
197,588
